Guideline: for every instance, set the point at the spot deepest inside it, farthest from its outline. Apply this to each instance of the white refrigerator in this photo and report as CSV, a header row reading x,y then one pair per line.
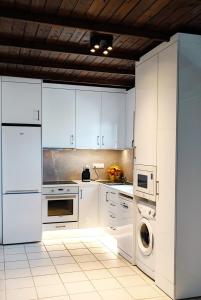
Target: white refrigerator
x,y
21,179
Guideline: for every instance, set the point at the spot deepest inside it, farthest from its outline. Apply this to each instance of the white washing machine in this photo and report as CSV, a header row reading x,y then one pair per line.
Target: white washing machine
x,y
145,236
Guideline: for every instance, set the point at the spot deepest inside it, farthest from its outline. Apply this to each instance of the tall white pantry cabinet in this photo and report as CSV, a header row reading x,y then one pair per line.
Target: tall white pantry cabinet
x,y
178,160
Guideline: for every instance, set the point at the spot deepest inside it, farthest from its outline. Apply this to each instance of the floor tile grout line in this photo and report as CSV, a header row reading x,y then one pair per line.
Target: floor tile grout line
x,y
32,277
58,273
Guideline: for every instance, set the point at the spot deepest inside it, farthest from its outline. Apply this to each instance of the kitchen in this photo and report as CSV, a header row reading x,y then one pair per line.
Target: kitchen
x,y
99,159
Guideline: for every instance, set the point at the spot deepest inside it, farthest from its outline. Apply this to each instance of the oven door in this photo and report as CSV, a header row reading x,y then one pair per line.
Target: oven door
x,y
60,208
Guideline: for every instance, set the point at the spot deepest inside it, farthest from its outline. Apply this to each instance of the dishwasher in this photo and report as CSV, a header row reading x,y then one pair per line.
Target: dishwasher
x,y
125,236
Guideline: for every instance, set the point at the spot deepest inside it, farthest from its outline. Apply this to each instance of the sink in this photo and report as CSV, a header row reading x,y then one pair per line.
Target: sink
x,y
107,182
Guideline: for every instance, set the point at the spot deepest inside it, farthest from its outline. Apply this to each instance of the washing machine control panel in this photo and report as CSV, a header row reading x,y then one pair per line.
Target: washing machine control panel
x,y
146,211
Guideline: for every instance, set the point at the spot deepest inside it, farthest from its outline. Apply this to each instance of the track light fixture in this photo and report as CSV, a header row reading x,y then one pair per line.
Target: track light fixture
x,y
101,43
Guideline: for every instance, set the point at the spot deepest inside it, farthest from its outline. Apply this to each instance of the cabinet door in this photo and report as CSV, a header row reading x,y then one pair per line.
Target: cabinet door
x,y
21,102
88,206
166,162
146,112
104,206
113,120
58,118
88,114
22,218
130,113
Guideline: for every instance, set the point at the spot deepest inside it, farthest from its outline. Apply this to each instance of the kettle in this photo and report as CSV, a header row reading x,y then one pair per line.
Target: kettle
x,y
86,174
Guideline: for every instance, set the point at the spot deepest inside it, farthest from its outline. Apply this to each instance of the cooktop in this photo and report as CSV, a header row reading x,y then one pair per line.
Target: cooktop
x,y
59,182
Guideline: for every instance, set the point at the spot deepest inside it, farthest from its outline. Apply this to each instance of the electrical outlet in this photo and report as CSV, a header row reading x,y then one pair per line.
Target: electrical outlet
x,y
98,165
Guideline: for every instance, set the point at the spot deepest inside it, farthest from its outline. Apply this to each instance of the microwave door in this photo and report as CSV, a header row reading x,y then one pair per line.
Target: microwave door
x,y
142,181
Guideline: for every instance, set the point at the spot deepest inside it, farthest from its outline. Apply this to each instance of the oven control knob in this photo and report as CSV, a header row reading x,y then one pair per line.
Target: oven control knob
x,y
67,190
52,190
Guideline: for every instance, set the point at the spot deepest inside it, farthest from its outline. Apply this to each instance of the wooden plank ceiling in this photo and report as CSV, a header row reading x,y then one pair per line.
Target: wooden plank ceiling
x,y
49,39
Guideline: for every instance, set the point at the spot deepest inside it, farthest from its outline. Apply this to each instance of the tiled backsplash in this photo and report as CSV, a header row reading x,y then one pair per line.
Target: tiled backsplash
x,y
68,164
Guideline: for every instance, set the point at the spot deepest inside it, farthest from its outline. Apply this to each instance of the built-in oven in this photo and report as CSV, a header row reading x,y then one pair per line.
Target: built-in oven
x,y
60,204
145,182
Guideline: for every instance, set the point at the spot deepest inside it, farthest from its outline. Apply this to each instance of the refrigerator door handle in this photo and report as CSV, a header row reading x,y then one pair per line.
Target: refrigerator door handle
x,y
21,191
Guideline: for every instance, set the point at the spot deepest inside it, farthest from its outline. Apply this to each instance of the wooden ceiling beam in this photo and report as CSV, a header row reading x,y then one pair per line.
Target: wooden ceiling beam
x,y
65,65
65,48
11,12
69,79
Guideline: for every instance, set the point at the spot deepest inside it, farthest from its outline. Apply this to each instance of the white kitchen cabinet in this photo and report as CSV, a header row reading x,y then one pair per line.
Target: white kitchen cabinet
x,y
88,205
178,148
130,117
1,206
58,118
88,119
21,100
113,120
146,111
109,209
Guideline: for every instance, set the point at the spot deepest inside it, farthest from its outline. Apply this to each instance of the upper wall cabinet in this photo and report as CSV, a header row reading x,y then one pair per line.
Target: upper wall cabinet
x,y
100,120
21,100
88,119
58,118
146,112
113,120
130,116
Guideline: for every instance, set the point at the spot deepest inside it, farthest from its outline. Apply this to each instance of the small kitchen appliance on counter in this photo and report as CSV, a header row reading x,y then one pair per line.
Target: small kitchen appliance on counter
x,y
86,174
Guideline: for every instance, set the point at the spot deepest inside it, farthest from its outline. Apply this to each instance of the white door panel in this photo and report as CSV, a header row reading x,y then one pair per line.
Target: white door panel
x,y
113,120
146,112
21,102
88,118
22,218
21,157
58,118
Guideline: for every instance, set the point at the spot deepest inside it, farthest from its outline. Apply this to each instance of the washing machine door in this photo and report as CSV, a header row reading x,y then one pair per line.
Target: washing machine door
x,y
145,236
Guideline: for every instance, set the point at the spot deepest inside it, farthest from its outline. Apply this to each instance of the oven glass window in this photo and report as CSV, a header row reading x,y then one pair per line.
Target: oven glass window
x,y
60,207
142,181
145,237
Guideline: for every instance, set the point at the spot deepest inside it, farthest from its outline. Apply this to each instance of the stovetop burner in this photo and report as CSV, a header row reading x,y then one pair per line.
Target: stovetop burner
x,y
59,182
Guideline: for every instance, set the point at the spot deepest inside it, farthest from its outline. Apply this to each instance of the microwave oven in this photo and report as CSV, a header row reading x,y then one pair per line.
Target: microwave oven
x,y
145,182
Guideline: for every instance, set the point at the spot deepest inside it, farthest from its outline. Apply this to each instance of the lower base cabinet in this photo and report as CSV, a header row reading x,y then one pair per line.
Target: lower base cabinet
x,y
88,205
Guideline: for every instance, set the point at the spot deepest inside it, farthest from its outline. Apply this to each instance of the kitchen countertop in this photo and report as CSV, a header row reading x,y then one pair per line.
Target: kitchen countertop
x,y
124,189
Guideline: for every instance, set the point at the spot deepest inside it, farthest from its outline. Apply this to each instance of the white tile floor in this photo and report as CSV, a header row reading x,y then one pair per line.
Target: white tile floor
x,y
73,265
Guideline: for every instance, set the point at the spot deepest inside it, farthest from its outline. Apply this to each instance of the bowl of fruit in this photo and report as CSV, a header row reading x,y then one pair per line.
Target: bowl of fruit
x,y
114,173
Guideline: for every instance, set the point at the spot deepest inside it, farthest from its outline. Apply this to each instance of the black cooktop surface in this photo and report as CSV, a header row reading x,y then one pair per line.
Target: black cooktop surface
x,y
59,182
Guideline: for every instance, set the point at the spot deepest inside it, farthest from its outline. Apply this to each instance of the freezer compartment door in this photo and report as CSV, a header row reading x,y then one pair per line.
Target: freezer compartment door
x,y
21,159
22,218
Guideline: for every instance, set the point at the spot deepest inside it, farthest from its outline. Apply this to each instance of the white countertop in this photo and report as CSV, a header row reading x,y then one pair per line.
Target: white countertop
x,y
124,189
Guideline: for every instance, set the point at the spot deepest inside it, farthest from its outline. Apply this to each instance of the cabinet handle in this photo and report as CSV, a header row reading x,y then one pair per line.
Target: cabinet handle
x,y
113,193
80,194
113,217
98,141
38,115
157,188
132,144
71,139
106,197
111,204
124,205
135,148
61,226
103,140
